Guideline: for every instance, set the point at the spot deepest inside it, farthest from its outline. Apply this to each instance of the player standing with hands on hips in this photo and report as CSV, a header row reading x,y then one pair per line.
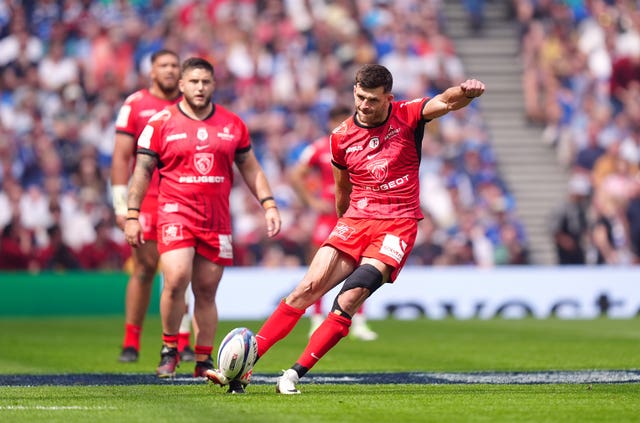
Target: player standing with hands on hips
x,y
376,156
132,118
194,144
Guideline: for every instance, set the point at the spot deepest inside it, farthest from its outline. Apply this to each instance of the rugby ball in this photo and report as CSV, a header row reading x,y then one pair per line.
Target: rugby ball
x,y
237,353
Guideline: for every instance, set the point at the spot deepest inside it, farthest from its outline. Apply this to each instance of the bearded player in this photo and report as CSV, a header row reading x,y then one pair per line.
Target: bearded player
x,y
194,144
132,118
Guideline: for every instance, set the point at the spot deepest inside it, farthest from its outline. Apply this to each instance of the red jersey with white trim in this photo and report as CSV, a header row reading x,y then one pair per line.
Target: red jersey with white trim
x,y
132,118
317,155
195,161
383,162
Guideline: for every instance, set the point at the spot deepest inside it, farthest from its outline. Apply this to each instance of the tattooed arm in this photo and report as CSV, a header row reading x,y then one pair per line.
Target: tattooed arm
x,y
145,165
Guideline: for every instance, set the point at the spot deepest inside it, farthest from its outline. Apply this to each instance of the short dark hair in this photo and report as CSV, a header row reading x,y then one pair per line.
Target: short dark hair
x,y
196,63
373,76
163,52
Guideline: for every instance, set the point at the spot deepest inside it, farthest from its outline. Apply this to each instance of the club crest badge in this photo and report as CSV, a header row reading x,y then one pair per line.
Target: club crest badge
x,y
374,143
202,134
203,162
378,169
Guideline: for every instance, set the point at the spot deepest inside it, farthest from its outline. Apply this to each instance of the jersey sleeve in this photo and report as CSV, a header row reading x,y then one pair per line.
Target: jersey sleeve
x,y
149,141
335,140
244,143
411,110
125,121
337,154
309,155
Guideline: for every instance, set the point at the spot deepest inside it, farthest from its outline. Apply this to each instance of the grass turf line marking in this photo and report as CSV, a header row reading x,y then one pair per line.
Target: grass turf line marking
x,y
428,378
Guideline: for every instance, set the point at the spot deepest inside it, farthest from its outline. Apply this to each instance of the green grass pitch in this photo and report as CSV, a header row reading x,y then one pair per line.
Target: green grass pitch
x,y
44,346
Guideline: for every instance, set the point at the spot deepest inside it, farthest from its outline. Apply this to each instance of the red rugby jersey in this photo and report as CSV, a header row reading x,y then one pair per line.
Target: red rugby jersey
x,y
383,162
318,155
196,163
132,118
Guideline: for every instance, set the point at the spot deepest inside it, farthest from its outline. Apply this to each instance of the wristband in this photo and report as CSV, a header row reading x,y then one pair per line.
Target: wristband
x,y
265,199
269,204
119,193
133,213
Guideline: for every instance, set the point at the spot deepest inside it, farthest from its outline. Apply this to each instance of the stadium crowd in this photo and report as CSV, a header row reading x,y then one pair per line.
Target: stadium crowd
x,y
582,84
66,66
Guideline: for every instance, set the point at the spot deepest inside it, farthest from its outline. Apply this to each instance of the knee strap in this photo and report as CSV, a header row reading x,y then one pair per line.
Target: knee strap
x,y
365,276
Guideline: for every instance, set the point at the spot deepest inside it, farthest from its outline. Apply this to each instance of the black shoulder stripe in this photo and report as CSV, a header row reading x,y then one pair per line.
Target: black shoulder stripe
x,y
147,152
418,135
338,166
151,153
243,150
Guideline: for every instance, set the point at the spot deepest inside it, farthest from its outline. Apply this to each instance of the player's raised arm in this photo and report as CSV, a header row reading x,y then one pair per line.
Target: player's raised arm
x,y
453,98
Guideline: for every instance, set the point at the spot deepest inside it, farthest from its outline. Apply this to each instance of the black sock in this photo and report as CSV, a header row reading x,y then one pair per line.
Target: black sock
x,y
300,370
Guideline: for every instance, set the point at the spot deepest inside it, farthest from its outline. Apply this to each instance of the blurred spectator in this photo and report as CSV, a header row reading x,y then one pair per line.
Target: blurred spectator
x,y
109,61
10,196
66,67
499,217
34,212
57,255
609,233
569,223
617,164
408,68
43,16
88,175
17,247
475,14
633,217
457,251
587,156
56,69
104,253
443,66
19,40
592,106
428,247
471,245
625,77
509,249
